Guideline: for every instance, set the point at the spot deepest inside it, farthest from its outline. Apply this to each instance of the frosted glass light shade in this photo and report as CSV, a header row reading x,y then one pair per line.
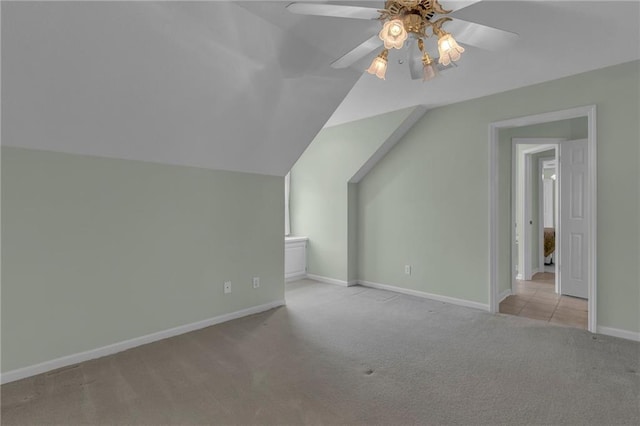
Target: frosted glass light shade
x,y
393,34
379,65
449,49
430,72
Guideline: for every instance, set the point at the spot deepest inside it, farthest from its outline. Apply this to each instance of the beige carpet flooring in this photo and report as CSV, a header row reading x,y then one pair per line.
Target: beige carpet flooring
x,y
353,355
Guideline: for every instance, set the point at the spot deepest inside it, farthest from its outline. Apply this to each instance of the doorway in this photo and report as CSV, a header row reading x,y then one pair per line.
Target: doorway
x,y
527,185
581,244
536,290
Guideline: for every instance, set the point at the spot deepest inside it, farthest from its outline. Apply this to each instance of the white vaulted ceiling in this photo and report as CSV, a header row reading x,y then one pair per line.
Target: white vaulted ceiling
x,y
247,85
198,83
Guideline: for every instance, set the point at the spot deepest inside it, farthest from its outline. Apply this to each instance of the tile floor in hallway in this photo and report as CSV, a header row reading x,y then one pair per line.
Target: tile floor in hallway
x,y
537,299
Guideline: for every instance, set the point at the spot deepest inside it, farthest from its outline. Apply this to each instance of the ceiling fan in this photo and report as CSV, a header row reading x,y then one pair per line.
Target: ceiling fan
x,y
410,23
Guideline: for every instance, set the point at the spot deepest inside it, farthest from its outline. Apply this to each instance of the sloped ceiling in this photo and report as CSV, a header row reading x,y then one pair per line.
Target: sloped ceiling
x,y
558,38
201,83
247,85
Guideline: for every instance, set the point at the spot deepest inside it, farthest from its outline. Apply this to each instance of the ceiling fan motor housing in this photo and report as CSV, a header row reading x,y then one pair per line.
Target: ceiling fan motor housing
x,y
413,23
415,14
409,3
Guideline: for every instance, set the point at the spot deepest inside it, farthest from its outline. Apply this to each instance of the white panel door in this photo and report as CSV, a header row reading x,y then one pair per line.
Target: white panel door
x,y
573,219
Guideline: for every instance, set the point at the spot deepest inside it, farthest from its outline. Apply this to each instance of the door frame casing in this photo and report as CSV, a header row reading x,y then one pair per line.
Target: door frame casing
x,y
556,217
589,112
527,233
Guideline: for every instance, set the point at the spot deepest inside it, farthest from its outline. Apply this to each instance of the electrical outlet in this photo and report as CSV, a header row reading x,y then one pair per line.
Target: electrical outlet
x,y
227,287
407,269
256,282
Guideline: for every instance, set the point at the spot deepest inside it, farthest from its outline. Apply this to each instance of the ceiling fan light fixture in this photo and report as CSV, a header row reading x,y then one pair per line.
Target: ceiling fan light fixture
x,y
379,65
419,19
393,34
448,48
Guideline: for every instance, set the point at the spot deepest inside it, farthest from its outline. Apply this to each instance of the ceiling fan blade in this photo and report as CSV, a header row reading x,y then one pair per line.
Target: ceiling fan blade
x,y
335,10
441,67
454,5
479,35
357,53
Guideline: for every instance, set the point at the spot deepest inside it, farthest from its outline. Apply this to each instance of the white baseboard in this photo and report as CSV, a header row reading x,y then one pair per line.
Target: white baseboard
x,y
616,332
332,280
65,361
447,299
295,277
519,277
504,295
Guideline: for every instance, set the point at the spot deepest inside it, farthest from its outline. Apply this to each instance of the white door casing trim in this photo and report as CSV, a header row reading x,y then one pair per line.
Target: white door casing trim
x,y
541,212
525,268
588,111
540,229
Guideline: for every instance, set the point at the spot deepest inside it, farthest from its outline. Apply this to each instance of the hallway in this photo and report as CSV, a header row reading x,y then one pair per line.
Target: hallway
x,y
537,299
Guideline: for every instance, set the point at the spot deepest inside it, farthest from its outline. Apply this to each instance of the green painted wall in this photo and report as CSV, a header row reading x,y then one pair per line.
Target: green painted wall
x,y
96,250
320,193
426,202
